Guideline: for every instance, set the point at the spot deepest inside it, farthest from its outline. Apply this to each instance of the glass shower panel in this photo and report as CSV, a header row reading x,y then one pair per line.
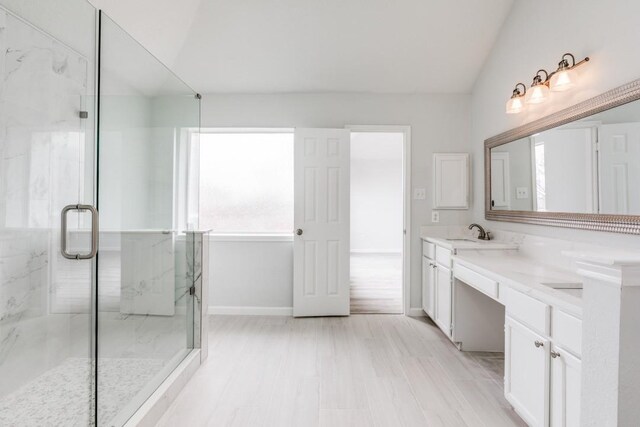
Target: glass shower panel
x,y
145,307
47,141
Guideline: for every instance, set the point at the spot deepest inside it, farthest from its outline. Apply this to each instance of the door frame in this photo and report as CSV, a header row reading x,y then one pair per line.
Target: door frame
x,y
406,197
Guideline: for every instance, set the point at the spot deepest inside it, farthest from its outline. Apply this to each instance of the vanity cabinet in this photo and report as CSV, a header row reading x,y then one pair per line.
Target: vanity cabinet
x,y
443,299
565,388
526,372
428,286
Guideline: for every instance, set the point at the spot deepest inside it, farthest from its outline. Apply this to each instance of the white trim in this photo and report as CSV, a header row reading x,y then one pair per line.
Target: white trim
x,y
231,130
416,312
406,169
376,252
250,311
154,408
248,237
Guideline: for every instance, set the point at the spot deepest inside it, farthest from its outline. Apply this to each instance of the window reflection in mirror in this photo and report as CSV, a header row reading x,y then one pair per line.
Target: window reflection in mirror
x,y
587,166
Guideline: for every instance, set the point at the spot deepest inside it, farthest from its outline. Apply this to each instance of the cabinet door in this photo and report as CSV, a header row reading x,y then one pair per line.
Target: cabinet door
x,y
526,373
451,180
428,288
443,299
565,388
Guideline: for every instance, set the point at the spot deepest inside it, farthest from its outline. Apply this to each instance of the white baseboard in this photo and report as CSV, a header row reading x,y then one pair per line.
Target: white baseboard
x,y
154,408
375,252
251,311
416,312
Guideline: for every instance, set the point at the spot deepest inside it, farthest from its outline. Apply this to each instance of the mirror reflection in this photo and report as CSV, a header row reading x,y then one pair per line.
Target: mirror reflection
x,y
587,166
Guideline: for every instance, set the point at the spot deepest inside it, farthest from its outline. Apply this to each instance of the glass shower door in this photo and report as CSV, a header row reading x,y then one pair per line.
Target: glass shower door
x,y
145,307
46,163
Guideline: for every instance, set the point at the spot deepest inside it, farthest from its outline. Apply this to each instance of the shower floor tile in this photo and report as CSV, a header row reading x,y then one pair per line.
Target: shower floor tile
x,y
63,395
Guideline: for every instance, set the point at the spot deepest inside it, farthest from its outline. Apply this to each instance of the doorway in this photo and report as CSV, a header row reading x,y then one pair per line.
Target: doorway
x,y
377,221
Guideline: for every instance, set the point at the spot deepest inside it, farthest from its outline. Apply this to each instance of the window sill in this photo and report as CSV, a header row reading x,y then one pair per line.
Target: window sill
x,y
251,237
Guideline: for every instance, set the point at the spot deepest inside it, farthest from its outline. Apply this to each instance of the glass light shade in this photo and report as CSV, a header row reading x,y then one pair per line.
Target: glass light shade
x,y
515,105
537,94
562,80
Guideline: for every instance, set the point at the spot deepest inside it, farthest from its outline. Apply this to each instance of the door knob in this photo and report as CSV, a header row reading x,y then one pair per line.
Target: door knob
x,y
299,231
555,354
539,344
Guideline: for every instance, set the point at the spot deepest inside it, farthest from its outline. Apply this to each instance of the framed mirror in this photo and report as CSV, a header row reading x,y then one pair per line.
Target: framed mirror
x,y
577,168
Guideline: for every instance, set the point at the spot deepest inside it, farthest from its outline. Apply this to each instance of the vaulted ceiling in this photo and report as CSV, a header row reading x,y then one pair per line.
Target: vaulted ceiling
x,y
265,46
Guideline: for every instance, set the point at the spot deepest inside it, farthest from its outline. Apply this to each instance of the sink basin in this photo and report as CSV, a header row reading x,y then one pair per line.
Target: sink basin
x,y
461,240
563,285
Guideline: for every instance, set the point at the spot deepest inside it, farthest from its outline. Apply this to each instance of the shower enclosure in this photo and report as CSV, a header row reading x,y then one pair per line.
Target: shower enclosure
x,y
98,281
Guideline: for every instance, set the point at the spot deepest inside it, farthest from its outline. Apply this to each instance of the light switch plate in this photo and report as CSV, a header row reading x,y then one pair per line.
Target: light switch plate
x,y
419,193
522,193
435,216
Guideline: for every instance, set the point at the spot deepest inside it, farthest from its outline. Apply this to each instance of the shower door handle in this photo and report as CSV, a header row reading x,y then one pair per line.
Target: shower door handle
x,y
94,232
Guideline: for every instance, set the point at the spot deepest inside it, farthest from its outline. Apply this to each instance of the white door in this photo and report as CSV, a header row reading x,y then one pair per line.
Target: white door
x,y
526,373
321,218
500,192
443,299
619,155
565,389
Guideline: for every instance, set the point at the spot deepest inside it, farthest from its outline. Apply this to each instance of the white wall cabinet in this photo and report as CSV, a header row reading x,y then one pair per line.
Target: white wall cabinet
x,y
451,181
565,388
428,288
443,299
526,373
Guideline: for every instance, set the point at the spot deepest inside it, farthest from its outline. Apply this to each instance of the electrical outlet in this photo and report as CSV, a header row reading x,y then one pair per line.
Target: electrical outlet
x,y
435,216
522,193
419,193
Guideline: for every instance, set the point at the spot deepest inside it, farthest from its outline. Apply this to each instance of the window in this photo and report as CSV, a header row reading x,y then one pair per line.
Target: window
x,y
246,182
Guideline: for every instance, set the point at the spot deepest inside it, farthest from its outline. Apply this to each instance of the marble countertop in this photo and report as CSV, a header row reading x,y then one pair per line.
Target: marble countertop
x,y
468,243
525,274
606,257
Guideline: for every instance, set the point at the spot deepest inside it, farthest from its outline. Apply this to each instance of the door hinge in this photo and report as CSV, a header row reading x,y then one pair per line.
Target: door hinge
x,y
192,290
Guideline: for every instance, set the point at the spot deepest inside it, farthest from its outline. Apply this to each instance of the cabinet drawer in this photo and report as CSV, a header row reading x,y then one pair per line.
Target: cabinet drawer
x,y
443,256
428,250
566,331
476,280
529,311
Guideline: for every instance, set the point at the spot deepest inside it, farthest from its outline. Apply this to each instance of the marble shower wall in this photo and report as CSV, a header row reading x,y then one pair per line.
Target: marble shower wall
x,y
43,86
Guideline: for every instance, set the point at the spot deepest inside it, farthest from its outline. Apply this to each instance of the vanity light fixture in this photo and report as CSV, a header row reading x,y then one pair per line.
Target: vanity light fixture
x,y
516,103
564,77
539,91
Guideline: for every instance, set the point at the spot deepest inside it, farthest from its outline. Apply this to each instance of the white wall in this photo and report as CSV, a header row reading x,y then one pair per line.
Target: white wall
x,y
534,36
376,192
438,123
251,274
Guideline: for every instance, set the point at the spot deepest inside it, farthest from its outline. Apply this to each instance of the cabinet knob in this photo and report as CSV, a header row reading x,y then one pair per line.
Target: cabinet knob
x,y
299,231
555,354
539,344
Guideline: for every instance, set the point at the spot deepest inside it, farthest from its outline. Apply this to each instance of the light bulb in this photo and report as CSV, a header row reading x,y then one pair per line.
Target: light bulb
x,y
562,80
515,105
537,94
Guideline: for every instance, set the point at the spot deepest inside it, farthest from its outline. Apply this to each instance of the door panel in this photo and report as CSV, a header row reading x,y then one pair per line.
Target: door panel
x,y
565,389
46,163
619,164
428,287
443,299
500,180
321,213
526,376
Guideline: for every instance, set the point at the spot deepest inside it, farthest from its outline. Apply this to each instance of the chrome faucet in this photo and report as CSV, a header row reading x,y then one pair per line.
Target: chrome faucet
x,y
482,234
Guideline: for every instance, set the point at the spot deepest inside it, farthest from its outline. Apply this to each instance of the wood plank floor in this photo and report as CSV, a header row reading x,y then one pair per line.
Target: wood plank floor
x,y
362,370
376,283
